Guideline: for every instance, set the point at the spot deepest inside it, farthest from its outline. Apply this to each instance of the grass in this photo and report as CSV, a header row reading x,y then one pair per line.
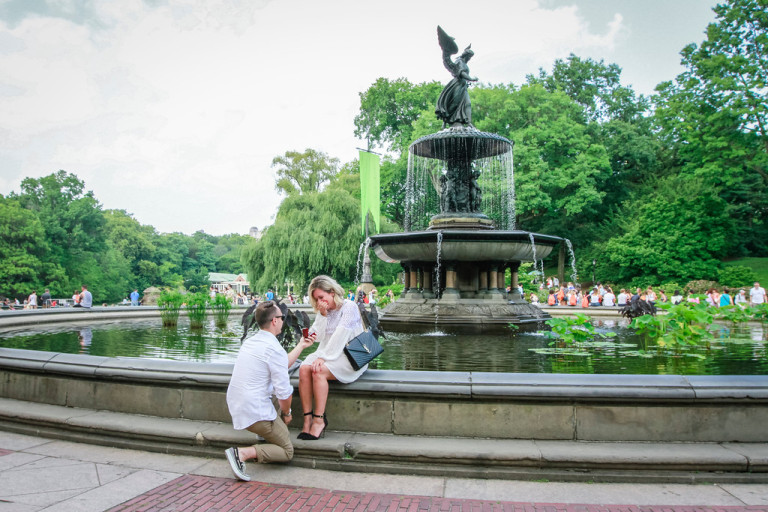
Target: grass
x,y
759,265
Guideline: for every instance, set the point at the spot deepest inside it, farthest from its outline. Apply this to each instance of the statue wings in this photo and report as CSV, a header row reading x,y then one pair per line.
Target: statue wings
x,y
447,43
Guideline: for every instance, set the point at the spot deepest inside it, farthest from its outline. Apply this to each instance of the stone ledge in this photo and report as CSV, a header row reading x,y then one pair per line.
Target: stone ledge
x,y
747,389
476,458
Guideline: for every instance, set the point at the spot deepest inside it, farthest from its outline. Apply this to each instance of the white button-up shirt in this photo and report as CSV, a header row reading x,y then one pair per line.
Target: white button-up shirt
x,y
261,370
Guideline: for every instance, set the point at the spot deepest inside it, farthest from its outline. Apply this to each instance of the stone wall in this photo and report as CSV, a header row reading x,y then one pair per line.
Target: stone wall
x,y
460,404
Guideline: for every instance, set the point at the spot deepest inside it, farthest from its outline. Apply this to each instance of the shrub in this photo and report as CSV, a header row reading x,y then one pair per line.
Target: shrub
x,y
737,276
701,286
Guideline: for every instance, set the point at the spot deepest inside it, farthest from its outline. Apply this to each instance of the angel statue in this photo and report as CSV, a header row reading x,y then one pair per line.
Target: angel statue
x,y
453,105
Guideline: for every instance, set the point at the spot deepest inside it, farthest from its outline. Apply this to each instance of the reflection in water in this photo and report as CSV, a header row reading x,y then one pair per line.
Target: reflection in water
x,y
85,335
737,349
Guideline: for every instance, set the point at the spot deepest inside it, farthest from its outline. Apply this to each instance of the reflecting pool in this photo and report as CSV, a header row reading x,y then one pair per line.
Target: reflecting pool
x,y
737,350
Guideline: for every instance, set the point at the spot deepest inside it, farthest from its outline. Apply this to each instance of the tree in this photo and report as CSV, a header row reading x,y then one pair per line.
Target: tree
x,y
677,232
560,169
72,220
388,109
303,173
594,85
23,252
312,234
714,118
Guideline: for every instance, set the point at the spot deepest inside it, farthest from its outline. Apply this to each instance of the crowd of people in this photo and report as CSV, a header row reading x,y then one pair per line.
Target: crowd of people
x,y
604,296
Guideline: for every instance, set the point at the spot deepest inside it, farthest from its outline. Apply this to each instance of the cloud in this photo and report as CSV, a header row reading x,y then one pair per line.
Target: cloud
x,y
174,110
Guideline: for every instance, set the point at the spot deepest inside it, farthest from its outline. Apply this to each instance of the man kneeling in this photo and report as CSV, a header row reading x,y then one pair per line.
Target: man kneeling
x,y
261,368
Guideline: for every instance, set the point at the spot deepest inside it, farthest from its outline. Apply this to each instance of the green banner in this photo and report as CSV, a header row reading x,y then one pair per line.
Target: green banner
x,y
369,191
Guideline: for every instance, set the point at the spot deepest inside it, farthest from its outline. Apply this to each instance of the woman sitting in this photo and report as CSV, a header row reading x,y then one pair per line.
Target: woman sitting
x,y
337,321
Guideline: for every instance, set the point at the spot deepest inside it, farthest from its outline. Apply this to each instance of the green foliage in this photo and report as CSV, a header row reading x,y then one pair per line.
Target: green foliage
x,y
736,275
684,324
734,313
715,118
576,329
23,250
759,312
196,309
170,303
758,265
303,173
677,232
313,234
221,307
388,109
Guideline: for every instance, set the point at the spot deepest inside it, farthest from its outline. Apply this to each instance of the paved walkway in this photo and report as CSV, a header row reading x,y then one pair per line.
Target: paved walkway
x,y
39,474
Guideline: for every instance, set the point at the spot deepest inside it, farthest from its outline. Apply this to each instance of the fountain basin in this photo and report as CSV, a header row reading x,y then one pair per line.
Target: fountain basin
x,y
462,245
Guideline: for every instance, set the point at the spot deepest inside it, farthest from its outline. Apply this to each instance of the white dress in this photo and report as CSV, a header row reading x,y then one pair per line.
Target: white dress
x,y
333,332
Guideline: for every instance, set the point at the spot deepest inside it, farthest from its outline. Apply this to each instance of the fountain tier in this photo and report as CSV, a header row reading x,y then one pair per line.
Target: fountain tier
x,y
456,277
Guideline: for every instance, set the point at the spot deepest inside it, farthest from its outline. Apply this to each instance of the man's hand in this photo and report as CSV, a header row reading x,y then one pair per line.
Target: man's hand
x,y
287,417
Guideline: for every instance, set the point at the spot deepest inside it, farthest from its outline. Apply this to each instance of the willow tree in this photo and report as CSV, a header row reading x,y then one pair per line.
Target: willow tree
x,y
315,231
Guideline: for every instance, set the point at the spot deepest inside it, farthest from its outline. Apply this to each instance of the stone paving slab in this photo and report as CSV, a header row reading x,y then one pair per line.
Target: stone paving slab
x,y
204,493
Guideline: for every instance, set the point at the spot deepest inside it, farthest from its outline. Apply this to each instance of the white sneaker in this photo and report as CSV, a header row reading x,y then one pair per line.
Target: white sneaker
x,y
238,467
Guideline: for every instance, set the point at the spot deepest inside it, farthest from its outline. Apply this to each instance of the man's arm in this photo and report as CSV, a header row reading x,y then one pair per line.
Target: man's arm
x,y
298,349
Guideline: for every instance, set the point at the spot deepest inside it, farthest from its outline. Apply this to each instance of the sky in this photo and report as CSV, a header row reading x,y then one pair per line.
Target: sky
x,y
173,110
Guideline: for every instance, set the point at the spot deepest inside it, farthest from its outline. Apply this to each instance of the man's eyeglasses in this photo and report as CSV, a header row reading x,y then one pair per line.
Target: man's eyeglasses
x,y
279,316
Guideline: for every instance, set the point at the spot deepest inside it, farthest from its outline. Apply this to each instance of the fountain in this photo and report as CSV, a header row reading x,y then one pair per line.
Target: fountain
x,y
460,222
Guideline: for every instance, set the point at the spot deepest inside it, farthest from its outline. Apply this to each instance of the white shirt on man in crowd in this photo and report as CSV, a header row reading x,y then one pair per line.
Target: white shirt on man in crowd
x,y
757,294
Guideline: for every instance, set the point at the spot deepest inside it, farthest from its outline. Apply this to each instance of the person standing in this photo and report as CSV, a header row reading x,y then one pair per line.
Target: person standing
x,y
45,298
756,294
741,299
32,300
725,298
135,297
261,370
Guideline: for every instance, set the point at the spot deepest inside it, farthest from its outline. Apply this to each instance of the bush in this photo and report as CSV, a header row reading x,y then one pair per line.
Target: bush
x,y
737,276
701,286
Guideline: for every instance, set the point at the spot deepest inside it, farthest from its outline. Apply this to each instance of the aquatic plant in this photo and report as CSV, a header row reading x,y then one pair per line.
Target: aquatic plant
x,y
221,307
196,309
574,330
684,324
170,303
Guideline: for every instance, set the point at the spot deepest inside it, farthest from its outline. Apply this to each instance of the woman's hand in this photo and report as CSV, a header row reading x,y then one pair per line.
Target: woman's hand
x,y
318,365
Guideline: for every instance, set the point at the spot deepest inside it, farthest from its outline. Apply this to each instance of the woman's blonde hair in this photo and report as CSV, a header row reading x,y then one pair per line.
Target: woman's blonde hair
x,y
328,285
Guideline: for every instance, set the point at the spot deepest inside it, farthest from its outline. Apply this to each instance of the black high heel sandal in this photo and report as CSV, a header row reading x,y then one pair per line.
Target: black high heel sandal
x,y
310,437
303,435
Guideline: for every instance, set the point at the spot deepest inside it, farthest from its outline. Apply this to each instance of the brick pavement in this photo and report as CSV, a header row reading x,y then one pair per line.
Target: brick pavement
x,y
199,493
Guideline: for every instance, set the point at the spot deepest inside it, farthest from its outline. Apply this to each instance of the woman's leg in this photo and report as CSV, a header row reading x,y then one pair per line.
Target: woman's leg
x,y
320,389
305,392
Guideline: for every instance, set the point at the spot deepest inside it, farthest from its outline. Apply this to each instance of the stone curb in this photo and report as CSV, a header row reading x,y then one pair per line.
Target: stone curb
x,y
381,453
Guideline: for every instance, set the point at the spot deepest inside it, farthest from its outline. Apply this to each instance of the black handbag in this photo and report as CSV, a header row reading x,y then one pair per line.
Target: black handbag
x,y
361,349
